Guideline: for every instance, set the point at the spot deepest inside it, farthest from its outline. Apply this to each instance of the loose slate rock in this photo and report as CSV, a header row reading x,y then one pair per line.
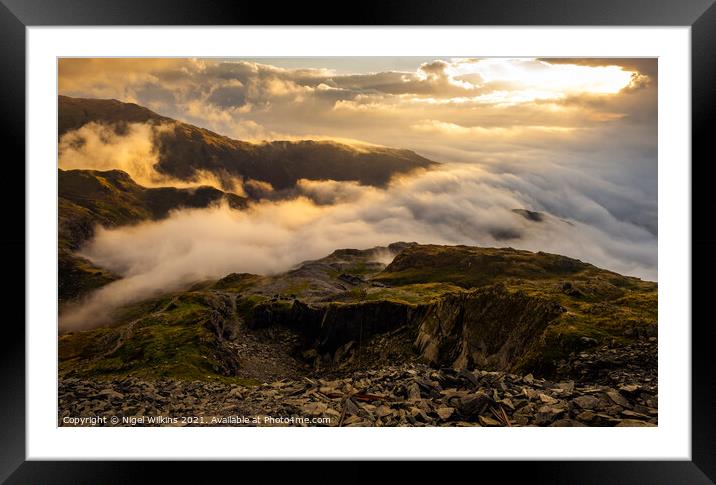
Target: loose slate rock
x,y
445,413
586,402
618,398
407,394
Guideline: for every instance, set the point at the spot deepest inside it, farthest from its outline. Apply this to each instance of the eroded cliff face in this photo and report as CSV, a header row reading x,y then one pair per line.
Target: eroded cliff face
x,y
326,328
489,328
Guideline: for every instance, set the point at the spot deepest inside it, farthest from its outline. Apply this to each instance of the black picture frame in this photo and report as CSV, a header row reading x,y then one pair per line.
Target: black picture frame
x,y
700,15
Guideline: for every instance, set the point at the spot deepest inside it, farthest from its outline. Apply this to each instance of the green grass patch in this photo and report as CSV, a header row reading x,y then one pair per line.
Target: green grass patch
x,y
412,294
172,341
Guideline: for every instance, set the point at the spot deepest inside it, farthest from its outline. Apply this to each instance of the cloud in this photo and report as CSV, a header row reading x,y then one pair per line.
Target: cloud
x,y
300,101
456,204
647,66
96,146
591,113
575,138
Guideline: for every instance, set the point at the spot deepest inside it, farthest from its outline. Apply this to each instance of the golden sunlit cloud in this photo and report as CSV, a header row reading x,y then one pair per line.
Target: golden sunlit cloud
x,y
451,129
525,80
257,100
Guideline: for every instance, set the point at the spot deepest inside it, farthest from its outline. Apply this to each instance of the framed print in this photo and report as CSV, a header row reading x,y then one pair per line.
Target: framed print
x,y
463,232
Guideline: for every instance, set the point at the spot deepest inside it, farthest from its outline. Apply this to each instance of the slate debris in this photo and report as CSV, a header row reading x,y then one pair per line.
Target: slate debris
x,y
636,363
410,394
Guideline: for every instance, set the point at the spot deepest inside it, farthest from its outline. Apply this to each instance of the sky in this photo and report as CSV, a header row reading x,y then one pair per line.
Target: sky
x,y
573,138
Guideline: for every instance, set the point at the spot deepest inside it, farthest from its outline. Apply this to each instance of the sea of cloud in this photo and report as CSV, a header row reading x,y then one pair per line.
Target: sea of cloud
x,y
453,204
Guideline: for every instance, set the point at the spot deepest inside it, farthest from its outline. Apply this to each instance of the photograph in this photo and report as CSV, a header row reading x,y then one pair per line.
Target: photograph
x,y
430,241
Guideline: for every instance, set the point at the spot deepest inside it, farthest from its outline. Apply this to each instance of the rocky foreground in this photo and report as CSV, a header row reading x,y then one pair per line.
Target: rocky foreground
x,y
407,395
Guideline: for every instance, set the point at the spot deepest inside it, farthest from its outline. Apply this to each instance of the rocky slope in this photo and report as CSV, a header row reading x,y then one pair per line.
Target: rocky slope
x,y
456,310
487,328
183,149
407,395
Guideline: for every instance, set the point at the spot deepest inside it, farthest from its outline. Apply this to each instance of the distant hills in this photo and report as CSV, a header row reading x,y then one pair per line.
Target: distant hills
x,y
184,149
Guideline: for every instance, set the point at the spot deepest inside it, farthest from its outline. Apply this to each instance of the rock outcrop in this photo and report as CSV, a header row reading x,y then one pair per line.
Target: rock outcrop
x,y
488,328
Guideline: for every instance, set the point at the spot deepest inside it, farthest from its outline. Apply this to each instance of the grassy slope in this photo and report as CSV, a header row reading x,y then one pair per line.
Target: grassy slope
x,y
112,198
165,337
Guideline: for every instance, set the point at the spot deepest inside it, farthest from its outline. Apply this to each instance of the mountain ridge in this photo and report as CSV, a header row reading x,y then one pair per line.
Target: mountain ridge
x,y
184,149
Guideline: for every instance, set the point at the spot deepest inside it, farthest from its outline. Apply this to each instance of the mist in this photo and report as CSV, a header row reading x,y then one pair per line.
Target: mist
x,y
97,146
455,204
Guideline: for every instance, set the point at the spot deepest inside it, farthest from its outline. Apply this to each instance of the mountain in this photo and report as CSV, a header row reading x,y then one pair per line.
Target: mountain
x,y
447,306
73,113
183,149
88,198
111,198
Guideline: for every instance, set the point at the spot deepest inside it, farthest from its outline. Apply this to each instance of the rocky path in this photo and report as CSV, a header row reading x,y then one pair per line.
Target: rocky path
x,y
406,395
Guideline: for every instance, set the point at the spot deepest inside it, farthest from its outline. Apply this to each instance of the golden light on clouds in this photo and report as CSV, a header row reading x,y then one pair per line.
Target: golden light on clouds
x,y
262,99
524,80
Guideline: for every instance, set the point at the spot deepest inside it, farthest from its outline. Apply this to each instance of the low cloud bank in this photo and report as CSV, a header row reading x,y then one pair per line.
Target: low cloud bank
x,y
456,204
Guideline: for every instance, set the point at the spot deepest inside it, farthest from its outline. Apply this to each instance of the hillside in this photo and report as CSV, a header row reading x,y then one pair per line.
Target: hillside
x,y
528,316
184,149
89,198
598,306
